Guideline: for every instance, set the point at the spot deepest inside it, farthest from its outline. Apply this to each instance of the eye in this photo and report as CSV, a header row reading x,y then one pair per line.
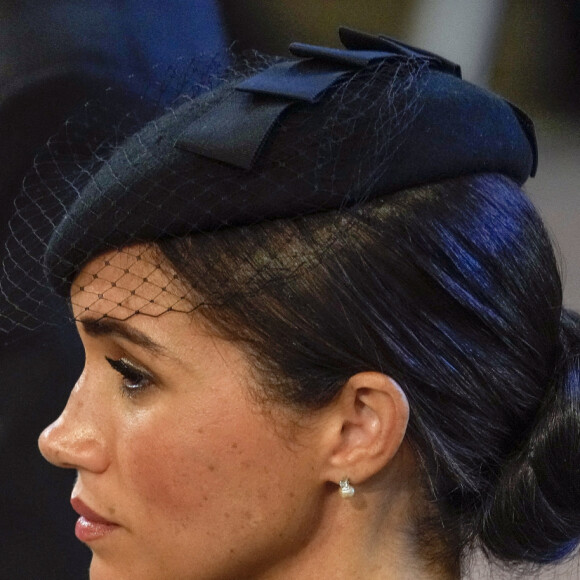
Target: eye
x,y
135,379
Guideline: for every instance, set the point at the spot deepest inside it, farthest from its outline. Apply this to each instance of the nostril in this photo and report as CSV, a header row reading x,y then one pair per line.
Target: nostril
x,y
70,445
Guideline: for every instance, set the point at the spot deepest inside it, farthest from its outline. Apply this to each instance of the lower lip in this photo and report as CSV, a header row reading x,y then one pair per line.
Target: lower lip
x,y
88,531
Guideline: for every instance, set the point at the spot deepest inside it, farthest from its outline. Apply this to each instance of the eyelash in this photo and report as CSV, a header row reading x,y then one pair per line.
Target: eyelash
x,y
135,379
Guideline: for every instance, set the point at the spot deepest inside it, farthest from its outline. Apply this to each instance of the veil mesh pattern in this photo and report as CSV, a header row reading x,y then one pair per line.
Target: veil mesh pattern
x,y
112,140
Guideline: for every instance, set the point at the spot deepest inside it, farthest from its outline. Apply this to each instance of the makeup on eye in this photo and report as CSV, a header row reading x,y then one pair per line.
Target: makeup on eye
x,y
134,377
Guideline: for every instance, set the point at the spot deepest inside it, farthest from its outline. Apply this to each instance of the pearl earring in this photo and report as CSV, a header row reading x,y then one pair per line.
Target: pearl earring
x,y
346,489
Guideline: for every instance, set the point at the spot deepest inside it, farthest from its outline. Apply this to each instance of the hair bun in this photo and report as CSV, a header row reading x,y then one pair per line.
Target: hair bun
x,y
534,514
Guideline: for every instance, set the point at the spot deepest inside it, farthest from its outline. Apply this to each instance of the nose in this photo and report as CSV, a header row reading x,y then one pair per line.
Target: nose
x,y
76,439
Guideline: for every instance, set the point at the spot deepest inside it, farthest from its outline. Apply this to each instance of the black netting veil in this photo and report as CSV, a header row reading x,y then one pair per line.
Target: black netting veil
x,y
327,131
72,159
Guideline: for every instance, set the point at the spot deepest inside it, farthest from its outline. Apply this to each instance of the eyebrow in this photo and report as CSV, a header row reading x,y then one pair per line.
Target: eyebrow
x,y
112,327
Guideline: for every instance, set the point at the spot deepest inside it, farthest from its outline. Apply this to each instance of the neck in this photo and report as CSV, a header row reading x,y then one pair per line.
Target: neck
x,y
370,536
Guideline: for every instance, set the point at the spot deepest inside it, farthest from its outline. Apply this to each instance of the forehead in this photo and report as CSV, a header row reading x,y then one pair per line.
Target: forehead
x,y
129,281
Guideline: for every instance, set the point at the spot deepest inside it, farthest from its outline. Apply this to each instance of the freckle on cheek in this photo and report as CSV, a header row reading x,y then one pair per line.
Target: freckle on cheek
x,y
234,445
211,467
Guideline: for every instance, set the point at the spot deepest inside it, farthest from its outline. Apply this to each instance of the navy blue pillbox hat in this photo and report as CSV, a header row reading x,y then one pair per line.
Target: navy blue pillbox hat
x,y
329,129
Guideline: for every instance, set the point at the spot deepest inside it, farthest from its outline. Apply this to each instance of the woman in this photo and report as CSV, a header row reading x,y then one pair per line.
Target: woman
x,y
324,333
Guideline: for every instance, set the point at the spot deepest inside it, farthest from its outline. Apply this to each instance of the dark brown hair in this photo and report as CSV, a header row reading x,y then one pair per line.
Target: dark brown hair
x,y
453,290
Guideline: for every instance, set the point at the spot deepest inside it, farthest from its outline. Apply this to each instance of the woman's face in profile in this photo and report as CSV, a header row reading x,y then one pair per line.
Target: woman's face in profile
x,y
181,473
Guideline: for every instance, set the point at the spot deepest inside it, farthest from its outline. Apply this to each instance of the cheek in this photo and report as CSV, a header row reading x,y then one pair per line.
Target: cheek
x,y
220,492
224,470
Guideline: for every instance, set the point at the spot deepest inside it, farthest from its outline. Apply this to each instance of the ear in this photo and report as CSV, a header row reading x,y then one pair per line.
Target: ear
x,y
366,427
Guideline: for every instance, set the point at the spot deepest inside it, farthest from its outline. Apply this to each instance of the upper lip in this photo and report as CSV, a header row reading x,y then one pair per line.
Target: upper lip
x,y
86,512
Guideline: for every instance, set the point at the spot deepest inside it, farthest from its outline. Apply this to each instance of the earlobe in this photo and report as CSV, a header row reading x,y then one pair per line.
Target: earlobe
x,y
370,421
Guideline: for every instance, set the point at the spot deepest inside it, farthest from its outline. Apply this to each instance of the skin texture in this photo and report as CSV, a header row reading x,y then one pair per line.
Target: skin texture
x,y
203,481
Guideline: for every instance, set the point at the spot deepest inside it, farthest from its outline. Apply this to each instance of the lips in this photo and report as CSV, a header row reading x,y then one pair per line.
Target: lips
x,y
90,526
